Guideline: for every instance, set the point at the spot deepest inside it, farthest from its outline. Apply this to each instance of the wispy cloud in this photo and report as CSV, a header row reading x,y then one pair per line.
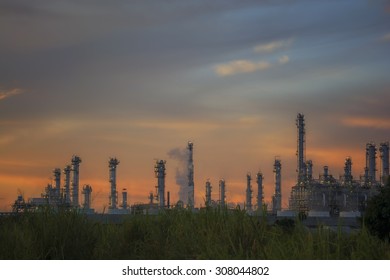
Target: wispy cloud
x,y
272,46
240,66
8,93
386,38
284,59
367,122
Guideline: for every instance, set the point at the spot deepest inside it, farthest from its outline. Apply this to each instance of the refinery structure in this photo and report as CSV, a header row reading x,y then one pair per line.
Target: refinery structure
x,y
325,196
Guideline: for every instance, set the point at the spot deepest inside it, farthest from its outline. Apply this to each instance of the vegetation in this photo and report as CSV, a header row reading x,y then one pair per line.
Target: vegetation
x,y
377,214
178,234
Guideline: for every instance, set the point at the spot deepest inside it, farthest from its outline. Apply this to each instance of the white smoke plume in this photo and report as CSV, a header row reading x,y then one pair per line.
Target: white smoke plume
x,y
181,156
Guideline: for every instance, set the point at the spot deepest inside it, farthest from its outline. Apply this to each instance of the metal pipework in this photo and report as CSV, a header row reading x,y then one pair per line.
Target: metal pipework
x,y
348,170
75,180
66,171
87,190
248,192
277,198
159,170
112,164
300,122
259,180
191,197
384,154
309,170
57,182
222,193
124,199
208,193
371,162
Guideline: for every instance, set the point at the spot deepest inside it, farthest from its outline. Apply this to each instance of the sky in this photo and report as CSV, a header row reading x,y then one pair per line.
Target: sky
x,y
137,79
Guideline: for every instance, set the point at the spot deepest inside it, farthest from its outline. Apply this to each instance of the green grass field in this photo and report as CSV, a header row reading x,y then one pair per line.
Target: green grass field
x,y
178,234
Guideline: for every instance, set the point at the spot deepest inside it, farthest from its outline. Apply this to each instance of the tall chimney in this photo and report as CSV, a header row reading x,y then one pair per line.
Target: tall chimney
x,y
384,154
208,193
222,191
259,179
191,197
112,164
277,198
248,192
66,171
159,170
371,162
300,122
75,180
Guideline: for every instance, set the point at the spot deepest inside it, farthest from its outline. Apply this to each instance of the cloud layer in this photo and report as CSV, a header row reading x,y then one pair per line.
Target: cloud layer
x,y
134,79
8,93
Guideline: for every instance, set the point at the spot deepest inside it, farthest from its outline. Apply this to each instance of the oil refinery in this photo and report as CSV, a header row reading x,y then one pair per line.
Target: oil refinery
x,y
325,196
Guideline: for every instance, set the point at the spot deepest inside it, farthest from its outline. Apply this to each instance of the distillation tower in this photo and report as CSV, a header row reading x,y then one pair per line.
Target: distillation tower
x,y
159,171
124,199
66,172
112,164
87,190
371,162
301,168
208,193
249,192
260,196
75,180
277,198
191,197
384,154
222,193
57,182
347,178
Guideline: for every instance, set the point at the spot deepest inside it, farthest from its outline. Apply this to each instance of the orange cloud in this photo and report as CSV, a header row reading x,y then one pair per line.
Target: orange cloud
x,y
240,66
366,122
8,93
272,46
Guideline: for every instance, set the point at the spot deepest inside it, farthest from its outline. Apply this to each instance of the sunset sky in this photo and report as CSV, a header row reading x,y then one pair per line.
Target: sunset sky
x,y
136,79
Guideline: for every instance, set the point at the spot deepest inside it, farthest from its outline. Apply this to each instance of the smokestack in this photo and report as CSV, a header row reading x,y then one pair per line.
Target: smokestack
x,y
75,180
326,173
277,198
222,192
259,179
384,154
57,182
370,162
112,164
348,171
159,170
191,197
248,192
168,200
300,122
67,184
87,190
124,199
208,193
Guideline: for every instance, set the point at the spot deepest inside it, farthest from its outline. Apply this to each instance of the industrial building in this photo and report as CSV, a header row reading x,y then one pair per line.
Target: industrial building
x,y
329,196
324,196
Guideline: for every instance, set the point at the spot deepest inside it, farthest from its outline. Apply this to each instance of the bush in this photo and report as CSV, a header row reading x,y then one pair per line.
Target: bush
x,y
377,214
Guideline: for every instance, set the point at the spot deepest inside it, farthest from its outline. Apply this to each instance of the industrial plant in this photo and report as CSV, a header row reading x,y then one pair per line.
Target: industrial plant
x,y
317,197
328,195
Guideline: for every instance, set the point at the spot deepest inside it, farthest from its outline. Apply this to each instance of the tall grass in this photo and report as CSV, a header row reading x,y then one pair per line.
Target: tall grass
x,y
177,234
